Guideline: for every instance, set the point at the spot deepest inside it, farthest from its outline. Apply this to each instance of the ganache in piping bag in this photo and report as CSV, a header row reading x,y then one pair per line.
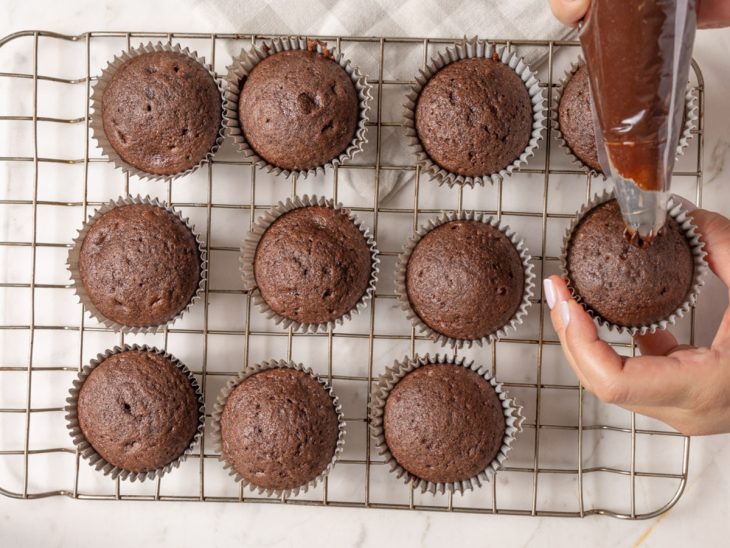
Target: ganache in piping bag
x,y
638,55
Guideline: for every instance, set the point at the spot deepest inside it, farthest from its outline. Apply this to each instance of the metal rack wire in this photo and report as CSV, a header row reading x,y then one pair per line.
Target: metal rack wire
x,y
27,377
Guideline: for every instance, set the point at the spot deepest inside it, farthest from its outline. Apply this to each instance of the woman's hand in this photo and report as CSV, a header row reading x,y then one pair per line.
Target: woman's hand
x,y
685,387
710,13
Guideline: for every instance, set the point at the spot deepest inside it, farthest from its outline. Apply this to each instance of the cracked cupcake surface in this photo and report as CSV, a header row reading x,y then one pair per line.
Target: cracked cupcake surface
x,y
474,117
279,429
625,284
138,411
312,265
443,423
298,109
139,265
161,112
465,279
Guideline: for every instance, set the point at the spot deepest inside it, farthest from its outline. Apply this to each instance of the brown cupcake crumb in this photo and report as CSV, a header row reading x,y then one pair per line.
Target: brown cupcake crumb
x,y
443,423
312,265
576,118
298,109
625,284
279,429
465,279
138,411
474,117
139,265
161,112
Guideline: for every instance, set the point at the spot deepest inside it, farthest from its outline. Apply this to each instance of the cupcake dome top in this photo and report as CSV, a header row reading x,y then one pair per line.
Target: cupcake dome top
x,y
313,265
139,265
279,429
576,118
443,423
465,279
625,284
138,410
161,112
474,117
298,109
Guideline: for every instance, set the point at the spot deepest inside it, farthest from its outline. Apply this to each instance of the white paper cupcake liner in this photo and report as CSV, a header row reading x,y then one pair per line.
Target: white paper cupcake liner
x,y
72,264
690,120
97,126
85,448
684,220
248,255
245,62
385,383
220,406
465,50
402,267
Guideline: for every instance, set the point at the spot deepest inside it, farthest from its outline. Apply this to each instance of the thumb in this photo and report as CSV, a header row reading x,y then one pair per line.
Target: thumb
x,y
569,12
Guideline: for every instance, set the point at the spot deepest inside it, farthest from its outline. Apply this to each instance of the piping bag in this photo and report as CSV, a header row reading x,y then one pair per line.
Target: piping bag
x,y
638,55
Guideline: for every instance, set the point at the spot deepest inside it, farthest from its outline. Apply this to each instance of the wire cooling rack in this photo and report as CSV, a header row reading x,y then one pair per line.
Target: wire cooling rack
x,y
576,456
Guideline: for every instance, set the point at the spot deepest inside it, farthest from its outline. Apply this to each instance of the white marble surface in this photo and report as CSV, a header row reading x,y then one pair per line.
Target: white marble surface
x,y
700,516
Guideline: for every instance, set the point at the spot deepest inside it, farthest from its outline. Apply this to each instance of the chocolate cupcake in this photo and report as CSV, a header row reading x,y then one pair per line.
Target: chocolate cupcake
x,y
135,412
298,109
311,262
158,111
137,264
279,428
296,106
576,118
474,115
573,118
630,287
464,279
443,423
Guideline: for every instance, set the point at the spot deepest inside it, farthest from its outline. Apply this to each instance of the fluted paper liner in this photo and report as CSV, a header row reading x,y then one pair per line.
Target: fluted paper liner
x,y
385,383
690,120
242,66
221,404
684,220
85,448
97,126
401,269
465,50
248,255
72,264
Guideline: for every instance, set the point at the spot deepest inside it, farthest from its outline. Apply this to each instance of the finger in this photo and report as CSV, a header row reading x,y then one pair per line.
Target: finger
x,y
569,12
714,230
555,292
660,343
722,337
713,13
646,380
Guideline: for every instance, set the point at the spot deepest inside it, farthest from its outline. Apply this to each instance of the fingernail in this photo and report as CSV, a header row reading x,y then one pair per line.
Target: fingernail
x,y
565,313
688,206
549,291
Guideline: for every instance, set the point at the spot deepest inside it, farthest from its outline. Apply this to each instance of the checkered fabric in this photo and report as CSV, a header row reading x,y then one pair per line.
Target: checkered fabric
x,y
431,18
515,19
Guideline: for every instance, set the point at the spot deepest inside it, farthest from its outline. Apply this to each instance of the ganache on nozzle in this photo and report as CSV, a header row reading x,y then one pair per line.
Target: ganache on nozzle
x,y
644,211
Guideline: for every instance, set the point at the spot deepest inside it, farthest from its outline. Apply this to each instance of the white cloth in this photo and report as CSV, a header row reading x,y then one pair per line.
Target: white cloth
x,y
491,19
